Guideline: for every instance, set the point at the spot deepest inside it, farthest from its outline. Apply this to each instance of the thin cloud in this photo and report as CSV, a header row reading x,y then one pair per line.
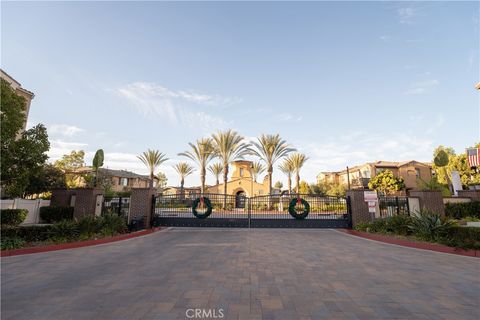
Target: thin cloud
x,y
64,130
422,87
151,99
406,15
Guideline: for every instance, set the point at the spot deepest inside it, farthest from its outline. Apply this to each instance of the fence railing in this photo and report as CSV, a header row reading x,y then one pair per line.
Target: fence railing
x,y
391,206
116,205
259,207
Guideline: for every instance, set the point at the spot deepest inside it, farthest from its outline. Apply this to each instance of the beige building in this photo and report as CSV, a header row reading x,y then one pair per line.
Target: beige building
x,y
21,92
411,171
239,184
121,180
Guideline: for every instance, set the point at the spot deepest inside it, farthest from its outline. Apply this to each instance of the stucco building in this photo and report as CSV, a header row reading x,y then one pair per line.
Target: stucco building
x,y
121,180
413,172
28,95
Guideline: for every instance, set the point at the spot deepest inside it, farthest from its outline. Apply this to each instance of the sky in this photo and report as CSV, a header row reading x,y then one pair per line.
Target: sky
x,y
345,83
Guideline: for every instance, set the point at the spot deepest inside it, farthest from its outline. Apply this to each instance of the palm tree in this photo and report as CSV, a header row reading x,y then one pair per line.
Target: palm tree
x,y
216,169
257,169
229,146
152,159
271,148
288,169
297,160
183,169
202,153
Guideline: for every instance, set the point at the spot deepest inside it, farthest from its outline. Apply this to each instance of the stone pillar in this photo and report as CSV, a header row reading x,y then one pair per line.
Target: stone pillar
x,y
85,201
474,195
141,205
431,200
359,207
61,197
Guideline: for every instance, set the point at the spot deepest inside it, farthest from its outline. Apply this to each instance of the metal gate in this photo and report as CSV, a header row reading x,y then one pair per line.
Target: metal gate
x,y
219,210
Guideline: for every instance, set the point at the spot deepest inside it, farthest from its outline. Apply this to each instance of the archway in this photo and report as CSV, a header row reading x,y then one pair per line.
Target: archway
x,y
240,197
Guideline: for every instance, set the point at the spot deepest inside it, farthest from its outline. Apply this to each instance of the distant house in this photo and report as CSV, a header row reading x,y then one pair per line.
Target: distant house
x,y
21,92
121,180
413,172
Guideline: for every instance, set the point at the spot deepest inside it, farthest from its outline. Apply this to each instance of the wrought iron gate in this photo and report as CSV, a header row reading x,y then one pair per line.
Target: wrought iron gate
x,y
218,210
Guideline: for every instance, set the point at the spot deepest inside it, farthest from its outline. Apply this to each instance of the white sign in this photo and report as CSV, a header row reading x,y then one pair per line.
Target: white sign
x,y
370,196
456,182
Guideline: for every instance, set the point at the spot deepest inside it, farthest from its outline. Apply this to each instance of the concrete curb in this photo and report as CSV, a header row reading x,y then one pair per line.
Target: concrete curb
x,y
78,244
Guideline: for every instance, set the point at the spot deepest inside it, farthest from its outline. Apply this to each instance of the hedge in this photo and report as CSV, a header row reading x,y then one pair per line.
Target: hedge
x,y
52,214
462,210
27,233
13,217
466,237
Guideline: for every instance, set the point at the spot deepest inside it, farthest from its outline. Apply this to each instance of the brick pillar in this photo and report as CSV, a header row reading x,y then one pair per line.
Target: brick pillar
x,y
431,200
85,201
141,205
61,197
359,207
474,195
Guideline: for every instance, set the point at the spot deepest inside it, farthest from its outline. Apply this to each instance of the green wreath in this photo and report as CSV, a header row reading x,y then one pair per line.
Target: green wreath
x,y
195,206
293,212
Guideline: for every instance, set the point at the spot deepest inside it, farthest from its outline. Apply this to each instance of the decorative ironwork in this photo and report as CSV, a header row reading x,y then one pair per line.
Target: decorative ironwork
x,y
391,206
255,212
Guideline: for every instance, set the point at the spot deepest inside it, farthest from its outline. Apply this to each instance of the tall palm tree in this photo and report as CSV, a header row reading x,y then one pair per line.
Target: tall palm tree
x,y
298,160
184,169
229,146
202,153
257,169
288,169
152,159
216,169
271,148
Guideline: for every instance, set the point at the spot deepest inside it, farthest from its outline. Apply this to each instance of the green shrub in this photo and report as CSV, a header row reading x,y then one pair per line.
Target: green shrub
x,y
64,231
112,224
429,226
363,226
463,237
398,224
51,214
89,226
8,243
34,233
462,210
12,217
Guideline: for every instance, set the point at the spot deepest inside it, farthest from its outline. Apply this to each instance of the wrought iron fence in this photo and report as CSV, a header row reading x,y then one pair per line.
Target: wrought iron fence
x,y
261,211
391,206
116,205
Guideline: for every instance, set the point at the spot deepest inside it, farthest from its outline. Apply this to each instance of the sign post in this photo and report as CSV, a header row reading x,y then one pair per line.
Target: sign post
x,y
371,197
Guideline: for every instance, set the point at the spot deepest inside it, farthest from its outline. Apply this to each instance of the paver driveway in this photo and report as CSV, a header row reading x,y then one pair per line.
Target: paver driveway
x,y
249,274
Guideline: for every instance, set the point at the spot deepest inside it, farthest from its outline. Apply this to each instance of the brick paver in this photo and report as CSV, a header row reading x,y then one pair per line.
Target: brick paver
x,y
249,274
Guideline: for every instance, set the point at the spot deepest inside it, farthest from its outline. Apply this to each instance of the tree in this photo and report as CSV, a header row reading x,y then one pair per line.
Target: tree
x,y
216,169
228,146
23,158
12,115
297,160
386,182
278,185
69,164
202,153
183,169
288,169
162,180
152,159
303,188
257,169
46,178
271,148
97,163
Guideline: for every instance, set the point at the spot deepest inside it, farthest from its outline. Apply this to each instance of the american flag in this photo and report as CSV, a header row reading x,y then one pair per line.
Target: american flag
x,y
473,156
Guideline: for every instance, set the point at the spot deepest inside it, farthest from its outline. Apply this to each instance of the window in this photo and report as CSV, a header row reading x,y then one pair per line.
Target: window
x,y
417,173
241,172
379,170
124,182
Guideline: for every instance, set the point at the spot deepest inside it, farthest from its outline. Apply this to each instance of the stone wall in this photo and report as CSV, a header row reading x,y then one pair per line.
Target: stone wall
x,y
472,194
359,207
141,205
430,200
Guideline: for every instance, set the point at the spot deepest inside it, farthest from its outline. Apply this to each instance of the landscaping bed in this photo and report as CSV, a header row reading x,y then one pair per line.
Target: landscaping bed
x,y
424,228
